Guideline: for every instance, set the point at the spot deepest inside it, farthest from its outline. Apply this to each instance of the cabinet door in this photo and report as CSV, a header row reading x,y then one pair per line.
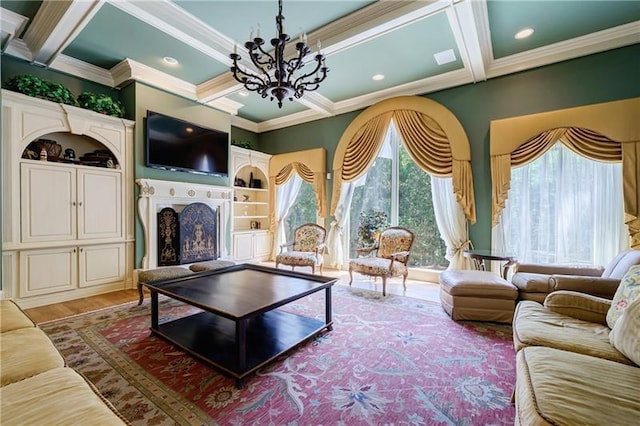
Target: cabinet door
x,y
48,271
99,204
101,264
48,202
242,247
262,245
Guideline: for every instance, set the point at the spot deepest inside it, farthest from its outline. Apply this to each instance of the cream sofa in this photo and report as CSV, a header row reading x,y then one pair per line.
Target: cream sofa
x,y
37,387
536,281
572,369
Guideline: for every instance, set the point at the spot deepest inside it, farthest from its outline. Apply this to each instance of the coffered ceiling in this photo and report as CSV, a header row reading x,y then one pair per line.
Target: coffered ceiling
x,y
114,41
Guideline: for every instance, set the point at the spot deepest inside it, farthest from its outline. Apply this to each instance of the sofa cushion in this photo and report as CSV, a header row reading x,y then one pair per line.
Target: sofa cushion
x,y
625,336
26,352
530,282
628,291
563,388
56,397
12,317
534,325
622,263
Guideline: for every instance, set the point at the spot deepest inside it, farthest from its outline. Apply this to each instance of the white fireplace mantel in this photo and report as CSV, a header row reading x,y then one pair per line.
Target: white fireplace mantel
x,y
158,194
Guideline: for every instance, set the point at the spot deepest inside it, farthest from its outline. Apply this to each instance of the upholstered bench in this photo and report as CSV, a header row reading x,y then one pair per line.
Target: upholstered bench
x,y
210,265
169,272
477,296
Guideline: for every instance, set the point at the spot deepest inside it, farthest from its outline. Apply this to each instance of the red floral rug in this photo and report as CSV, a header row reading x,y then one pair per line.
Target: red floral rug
x,y
388,360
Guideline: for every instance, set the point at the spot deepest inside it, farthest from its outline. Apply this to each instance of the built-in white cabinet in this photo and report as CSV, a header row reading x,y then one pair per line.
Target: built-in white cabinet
x,y
61,202
67,225
251,204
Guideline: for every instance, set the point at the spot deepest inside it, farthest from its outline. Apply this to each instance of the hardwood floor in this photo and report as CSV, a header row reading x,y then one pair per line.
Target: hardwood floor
x,y
80,306
417,289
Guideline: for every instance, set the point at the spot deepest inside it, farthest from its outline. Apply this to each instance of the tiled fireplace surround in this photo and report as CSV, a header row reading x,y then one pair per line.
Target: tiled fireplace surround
x,y
157,194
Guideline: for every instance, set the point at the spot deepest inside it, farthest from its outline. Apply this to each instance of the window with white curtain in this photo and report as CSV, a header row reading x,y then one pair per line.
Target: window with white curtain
x,y
565,208
304,210
397,187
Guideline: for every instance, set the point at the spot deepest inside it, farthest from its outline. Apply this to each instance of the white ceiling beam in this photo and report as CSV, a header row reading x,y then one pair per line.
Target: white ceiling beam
x,y
56,25
467,26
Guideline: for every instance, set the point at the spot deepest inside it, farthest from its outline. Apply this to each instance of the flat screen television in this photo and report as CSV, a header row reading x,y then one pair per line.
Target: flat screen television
x,y
174,144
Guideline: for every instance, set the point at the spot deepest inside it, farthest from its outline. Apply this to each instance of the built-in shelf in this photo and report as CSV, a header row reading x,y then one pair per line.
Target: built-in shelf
x,y
251,236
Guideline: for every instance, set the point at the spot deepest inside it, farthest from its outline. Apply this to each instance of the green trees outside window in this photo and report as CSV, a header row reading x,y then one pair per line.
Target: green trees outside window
x,y
396,186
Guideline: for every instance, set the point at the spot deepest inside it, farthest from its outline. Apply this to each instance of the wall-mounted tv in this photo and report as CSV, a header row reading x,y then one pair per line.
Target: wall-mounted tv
x,y
174,144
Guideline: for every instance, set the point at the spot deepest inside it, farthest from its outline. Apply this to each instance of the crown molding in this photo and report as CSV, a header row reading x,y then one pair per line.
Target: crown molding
x,y
85,70
218,87
245,124
132,70
18,48
11,23
589,44
225,104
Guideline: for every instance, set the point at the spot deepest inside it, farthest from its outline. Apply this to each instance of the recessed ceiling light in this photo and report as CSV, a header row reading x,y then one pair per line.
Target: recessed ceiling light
x,y
243,93
378,77
524,33
169,60
445,57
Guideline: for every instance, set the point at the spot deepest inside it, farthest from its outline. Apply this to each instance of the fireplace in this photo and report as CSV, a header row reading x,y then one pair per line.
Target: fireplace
x,y
187,236
183,222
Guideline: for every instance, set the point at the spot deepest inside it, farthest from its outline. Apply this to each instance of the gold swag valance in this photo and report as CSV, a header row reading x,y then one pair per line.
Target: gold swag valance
x,y
310,166
433,136
608,132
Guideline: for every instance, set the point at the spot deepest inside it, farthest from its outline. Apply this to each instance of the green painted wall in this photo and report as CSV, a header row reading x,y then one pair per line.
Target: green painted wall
x,y
593,79
242,135
11,67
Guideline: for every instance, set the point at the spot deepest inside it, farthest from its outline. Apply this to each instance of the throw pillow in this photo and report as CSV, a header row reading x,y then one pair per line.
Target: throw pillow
x,y
624,336
627,292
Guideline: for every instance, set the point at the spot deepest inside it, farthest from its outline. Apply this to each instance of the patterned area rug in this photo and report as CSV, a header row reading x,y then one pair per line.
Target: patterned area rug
x,y
389,360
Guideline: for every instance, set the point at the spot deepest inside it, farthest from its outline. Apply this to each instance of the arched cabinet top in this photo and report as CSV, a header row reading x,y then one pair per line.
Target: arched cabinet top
x,y
30,119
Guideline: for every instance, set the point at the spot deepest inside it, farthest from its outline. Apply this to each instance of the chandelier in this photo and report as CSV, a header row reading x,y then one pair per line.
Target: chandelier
x,y
276,76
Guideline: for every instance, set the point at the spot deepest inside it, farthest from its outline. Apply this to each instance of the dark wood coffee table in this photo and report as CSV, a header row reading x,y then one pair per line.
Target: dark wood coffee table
x,y
240,328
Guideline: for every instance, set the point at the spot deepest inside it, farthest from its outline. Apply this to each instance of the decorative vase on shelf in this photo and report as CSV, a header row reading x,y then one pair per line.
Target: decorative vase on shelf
x,y
251,180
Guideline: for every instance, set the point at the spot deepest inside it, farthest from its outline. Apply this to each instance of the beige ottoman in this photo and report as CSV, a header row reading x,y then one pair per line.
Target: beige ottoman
x,y
477,296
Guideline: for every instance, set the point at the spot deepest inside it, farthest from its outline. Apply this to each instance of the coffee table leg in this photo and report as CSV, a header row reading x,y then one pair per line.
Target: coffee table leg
x,y
154,310
241,344
327,314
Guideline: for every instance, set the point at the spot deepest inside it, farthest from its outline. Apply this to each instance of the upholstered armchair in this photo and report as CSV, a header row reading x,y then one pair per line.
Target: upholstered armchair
x,y
388,258
535,281
306,249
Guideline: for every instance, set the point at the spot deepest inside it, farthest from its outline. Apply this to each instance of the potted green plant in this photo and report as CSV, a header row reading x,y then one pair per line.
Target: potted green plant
x,y
37,87
371,224
242,144
101,103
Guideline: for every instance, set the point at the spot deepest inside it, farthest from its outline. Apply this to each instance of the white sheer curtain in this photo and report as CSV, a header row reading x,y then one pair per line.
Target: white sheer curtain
x,y
563,208
336,238
285,196
451,222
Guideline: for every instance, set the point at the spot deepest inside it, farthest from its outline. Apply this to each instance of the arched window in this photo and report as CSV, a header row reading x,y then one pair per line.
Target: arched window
x,y
437,144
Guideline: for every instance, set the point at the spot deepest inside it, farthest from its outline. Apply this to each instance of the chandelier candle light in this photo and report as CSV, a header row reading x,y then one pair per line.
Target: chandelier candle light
x,y
275,76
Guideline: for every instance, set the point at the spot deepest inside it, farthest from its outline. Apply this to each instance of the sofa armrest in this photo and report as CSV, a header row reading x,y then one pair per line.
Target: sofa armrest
x,y
550,269
596,286
578,305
